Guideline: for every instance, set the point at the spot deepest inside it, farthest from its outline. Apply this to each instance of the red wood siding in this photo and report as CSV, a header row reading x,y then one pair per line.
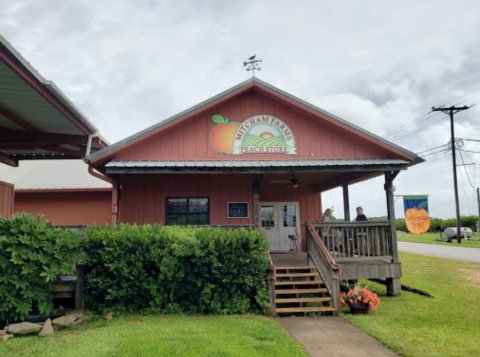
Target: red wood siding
x,y
142,199
310,204
6,199
315,138
67,208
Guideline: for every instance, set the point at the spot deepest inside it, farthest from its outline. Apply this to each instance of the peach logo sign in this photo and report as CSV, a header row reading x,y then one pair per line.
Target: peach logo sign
x,y
260,134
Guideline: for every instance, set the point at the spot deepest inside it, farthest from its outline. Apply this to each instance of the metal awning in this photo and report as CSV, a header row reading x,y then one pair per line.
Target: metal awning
x,y
37,121
254,166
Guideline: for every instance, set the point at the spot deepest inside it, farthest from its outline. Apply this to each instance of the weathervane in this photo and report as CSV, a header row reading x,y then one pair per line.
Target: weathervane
x,y
252,65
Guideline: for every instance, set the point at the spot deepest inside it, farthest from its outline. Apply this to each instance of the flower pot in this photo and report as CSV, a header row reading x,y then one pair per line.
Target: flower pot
x,y
359,308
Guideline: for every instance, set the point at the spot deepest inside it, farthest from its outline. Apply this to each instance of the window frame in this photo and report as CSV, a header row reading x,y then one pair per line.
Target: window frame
x,y
187,213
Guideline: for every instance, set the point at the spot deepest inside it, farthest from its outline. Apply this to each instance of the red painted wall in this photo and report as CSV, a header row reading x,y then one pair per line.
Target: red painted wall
x,y
6,199
67,208
142,199
315,138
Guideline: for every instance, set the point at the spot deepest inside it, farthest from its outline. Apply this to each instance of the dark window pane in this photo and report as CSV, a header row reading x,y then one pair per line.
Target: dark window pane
x,y
176,220
196,205
177,205
198,219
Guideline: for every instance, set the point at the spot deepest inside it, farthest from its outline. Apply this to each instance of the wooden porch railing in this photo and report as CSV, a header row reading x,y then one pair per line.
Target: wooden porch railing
x,y
355,241
330,272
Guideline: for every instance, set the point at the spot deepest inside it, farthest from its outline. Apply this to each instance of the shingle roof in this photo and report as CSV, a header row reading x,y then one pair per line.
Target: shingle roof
x,y
253,80
51,174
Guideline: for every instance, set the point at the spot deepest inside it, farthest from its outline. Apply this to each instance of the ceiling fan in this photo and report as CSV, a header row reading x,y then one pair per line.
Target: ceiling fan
x,y
295,183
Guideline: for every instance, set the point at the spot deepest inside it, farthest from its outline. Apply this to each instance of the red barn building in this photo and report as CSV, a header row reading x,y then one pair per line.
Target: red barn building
x,y
61,190
253,154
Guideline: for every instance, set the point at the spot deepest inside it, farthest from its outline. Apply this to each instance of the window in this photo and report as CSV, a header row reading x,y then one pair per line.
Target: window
x,y
289,216
184,211
266,216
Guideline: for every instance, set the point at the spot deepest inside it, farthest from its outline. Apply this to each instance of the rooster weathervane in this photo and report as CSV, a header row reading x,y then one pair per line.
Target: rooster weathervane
x,y
252,65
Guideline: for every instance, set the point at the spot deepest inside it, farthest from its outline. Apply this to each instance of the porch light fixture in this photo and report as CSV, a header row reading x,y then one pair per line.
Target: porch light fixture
x,y
295,185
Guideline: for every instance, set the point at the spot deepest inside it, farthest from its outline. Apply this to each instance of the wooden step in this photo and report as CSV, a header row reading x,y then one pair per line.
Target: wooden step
x,y
310,282
303,309
300,275
295,268
286,301
301,291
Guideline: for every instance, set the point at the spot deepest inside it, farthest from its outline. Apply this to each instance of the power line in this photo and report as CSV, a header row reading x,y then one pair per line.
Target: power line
x,y
466,172
470,139
426,126
413,122
399,129
421,152
474,152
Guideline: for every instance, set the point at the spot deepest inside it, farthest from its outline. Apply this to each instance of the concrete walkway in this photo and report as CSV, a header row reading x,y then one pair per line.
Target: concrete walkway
x,y
442,251
331,337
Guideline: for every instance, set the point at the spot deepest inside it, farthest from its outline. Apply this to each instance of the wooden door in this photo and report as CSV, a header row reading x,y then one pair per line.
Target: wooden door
x,y
289,223
269,224
279,220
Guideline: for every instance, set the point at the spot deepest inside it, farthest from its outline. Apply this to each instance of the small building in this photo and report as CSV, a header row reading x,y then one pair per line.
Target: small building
x,y
61,190
256,155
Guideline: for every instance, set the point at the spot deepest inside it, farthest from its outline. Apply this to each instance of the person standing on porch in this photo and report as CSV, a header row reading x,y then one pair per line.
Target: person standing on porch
x,y
327,217
360,216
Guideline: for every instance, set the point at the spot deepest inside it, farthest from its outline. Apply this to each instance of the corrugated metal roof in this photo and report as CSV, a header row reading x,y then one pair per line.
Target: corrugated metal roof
x,y
234,89
251,163
21,99
51,174
34,96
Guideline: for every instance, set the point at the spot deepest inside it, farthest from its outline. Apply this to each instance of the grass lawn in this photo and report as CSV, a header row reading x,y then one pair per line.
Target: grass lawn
x,y
413,325
155,336
429,238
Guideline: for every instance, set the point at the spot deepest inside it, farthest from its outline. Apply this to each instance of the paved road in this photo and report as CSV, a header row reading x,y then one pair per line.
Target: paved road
x,y
442,251
330,336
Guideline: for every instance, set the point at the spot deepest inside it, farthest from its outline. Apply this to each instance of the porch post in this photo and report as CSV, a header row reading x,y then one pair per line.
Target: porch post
x,y
257,179
393,284
346,202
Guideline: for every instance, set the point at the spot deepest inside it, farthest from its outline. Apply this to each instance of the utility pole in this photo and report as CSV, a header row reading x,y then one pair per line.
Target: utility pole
x,y
478,201
453,110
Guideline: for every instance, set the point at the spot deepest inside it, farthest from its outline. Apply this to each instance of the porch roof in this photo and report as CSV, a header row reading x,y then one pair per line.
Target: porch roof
x,y
255,166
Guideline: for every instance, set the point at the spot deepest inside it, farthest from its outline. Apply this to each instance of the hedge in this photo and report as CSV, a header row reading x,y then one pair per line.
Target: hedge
x,y
439,225
158,269
33,254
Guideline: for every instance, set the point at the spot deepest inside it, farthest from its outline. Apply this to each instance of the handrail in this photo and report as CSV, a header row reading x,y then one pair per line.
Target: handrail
x,y
348,223
269,257
327,253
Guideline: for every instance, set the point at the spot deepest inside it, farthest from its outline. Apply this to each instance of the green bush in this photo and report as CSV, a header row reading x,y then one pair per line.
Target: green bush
x,y
33,253
400,224
153,268
439,225
435,225
469,221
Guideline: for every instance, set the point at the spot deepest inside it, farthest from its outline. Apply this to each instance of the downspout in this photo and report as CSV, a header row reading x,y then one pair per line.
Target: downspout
x,y
115,190
89,143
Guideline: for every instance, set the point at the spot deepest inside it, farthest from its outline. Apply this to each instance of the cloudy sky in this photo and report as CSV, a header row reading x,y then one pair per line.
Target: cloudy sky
x,y
378,64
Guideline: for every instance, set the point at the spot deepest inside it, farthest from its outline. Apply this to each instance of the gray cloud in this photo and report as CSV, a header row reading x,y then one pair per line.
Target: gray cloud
x,y
130,64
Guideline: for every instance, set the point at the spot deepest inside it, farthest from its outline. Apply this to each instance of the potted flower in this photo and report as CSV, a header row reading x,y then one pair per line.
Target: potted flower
x,y
360,300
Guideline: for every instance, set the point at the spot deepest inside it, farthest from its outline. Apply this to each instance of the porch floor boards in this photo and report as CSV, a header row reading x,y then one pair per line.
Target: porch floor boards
x,y
298,259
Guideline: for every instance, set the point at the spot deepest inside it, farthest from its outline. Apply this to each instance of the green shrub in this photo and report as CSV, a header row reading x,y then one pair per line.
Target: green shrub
x,y
469,221
400,224
33,253
435,225
451,222
153,268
